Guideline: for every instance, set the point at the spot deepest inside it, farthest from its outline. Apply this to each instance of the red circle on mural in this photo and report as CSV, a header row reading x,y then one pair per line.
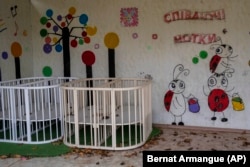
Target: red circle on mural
x,y
73,43
88,58
218,100
69,16
86,39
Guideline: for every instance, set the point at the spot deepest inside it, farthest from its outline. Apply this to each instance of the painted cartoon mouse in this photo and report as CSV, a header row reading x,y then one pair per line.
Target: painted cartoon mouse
x,y
174,99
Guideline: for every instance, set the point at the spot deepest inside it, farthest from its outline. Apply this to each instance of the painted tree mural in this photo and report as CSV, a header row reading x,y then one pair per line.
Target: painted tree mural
x,y
59,34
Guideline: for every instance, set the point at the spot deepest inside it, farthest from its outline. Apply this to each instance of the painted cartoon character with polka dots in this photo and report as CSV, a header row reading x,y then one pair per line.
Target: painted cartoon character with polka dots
x,y
218,95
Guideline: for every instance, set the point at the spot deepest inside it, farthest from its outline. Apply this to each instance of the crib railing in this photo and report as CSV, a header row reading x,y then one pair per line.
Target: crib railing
x,y
30,110
112,114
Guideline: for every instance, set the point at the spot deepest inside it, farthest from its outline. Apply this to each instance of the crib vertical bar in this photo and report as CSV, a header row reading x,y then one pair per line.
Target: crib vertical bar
x,y
122,117
13,114
27,109
113,122
135,112
75,102
129,121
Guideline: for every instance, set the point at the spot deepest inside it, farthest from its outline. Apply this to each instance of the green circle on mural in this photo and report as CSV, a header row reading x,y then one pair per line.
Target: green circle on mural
x,y
43,32
203,54
47,71
43,20
195,60
81,41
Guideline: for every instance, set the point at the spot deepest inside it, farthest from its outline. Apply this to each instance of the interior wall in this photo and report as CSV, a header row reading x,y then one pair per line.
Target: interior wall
x,y
153,44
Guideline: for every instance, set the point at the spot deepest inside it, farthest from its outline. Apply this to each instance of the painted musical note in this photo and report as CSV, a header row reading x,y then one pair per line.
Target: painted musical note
x,y
13,10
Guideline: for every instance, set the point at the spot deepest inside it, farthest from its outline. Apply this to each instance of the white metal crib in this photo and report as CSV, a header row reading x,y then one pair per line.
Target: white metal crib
x,y
30,110
107,113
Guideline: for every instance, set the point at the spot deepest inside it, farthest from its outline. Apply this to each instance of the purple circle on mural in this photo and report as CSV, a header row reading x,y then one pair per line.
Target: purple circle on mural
x,y
55,28
4,55
47,48
59,17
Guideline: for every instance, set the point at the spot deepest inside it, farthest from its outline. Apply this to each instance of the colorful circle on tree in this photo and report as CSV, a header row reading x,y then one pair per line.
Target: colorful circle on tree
x,y
16,49
43,20
73,43
86,39
88,58
43,32
80,41
72,10
49,13
47,71
47,40
91,30
83,19
111,40
47,48
58,47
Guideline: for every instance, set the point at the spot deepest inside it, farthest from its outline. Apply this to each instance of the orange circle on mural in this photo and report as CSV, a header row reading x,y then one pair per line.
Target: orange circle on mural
x,y
111,40
16,49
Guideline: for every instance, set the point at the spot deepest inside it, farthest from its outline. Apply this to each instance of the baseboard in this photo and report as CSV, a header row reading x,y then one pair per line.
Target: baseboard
x,y
166,126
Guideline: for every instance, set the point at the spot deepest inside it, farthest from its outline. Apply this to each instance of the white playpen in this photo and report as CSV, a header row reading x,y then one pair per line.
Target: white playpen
x,y
30,110
109,113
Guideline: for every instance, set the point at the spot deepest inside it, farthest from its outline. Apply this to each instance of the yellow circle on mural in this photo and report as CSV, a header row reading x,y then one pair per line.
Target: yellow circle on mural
x,y
91,30
16,49
72,10
111,40
55,39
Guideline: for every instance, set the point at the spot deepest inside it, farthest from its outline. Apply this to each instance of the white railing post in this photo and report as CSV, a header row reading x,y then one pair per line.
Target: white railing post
x,y
75,101
27,111
113,121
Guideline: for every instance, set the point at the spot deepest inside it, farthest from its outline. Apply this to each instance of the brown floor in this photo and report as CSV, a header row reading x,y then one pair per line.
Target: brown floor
x,y
172,138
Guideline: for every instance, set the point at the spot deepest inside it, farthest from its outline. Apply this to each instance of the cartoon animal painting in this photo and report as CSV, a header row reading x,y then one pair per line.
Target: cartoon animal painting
x,y
174,99
220,61
218,95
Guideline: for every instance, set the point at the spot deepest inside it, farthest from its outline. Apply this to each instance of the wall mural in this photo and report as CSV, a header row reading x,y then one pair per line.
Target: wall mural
x,y
194,15
196,38
111,41
174,99
129,17
67,35
217,84
220,66
15,47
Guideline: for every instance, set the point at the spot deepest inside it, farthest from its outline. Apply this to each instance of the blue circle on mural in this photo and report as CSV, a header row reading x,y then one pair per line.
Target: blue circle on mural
x,y
4,55
83,19
58,48
49,13
47,48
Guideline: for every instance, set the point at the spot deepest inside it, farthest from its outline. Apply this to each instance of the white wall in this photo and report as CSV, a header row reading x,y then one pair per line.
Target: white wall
x,y
155,57
15,26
